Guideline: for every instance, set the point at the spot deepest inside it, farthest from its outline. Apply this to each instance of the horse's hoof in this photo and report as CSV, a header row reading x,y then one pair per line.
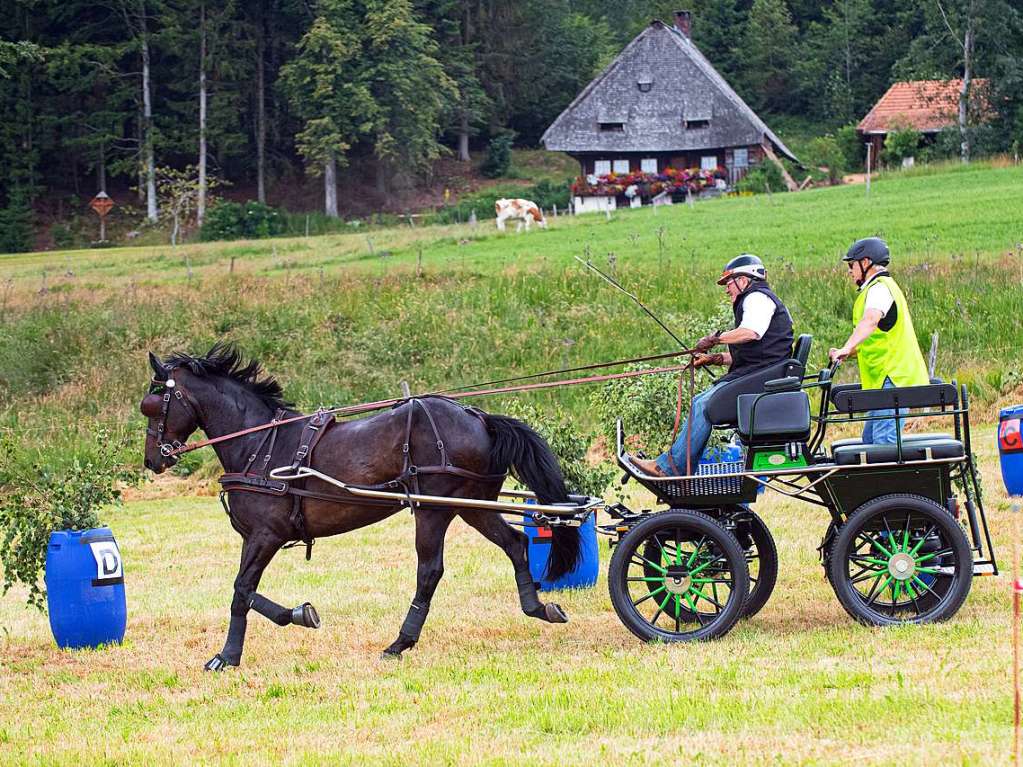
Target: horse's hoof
x,y
217,663
554,613
390,656
305,615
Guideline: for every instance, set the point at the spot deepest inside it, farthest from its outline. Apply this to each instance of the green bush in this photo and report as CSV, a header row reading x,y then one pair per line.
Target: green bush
x,y
570,447
761,178
233,220
16,225
899,144
852,147
825,151
499,155
38,497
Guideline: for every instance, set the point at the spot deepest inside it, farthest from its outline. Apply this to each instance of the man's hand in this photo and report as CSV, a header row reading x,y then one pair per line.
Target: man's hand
x,y
838,355
703,360
708,342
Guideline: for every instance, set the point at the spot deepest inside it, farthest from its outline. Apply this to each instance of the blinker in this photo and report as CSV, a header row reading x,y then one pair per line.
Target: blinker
x,y
151,405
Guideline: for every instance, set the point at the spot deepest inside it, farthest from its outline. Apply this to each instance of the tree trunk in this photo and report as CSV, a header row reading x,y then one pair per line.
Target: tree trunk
x,y
101,169
330,187
964,89
463,137
200,205
260,115
152,212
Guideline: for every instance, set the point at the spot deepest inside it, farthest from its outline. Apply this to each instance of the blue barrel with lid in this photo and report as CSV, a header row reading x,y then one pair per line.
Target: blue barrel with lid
x,y
85,588
1010,448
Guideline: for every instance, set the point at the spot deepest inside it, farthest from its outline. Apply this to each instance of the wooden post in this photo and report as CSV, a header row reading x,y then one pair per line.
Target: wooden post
x,y
419,262
555,209
406,391
869,147
932,356
230,269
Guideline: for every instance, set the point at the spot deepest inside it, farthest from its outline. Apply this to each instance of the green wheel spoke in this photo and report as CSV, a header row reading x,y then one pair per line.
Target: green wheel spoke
x,y
928,570
643,559
896,589
873,542
704,566
700,595
933,554
905,532
652,594
920,543
692,557
875,574
925,587
651,579
660,610
692,607
872,597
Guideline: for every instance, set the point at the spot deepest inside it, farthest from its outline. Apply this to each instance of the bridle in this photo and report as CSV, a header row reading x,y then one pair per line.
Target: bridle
x,y
171,391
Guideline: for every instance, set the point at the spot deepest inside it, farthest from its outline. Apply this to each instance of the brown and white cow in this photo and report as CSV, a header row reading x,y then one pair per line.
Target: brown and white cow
x,y
524,211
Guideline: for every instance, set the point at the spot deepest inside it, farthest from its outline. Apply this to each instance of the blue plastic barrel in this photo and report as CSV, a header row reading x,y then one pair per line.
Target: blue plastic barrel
x,y
585,573
1010,448
85,588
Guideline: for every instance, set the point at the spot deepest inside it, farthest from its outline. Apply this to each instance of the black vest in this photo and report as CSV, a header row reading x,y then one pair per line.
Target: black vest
x,y
774,346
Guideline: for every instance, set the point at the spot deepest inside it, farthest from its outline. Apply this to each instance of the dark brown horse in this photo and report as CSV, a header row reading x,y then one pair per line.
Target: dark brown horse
x,y
220,395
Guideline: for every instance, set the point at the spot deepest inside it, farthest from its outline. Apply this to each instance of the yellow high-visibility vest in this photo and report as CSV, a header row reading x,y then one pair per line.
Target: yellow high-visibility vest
x,y
894,353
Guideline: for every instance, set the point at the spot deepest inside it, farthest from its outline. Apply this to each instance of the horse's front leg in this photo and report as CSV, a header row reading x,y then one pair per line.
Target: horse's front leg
x,y
431,526
259,548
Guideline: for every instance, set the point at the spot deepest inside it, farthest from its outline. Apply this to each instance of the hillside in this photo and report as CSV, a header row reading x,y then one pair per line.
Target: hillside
x,y
344,318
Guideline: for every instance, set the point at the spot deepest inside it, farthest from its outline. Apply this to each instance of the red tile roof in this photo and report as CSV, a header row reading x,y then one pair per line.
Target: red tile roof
x,y
926,105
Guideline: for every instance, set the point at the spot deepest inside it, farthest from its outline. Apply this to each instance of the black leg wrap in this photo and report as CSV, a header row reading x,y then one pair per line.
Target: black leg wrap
x,y
232,652
413,625
275,612
530,602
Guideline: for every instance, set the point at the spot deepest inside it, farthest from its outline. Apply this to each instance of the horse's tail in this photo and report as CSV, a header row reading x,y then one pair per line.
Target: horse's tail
x,y
518,448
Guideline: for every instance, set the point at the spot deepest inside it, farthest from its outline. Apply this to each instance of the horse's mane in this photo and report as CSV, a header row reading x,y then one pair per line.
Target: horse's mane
x,y
224,359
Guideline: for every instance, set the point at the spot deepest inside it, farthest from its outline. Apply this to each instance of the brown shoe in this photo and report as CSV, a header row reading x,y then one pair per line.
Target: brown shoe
x,y
648,467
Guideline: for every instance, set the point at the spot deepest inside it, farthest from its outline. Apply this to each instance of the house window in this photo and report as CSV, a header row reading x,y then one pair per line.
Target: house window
x,y
708,162
740,158
612,127
648,165
696,124
645,85
601,167
621,167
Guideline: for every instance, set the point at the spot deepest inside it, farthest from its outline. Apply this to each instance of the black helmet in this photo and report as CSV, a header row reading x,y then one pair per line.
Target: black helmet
x,y
746,265
873,248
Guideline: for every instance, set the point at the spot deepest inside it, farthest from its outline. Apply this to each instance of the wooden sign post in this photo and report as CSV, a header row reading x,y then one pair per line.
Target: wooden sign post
x,y
102,204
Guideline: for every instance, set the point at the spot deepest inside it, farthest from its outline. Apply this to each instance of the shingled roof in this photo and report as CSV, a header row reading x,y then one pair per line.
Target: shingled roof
x,y
925,105
659,80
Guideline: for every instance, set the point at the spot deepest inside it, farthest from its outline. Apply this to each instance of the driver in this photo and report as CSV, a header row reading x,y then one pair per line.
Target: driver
x,y
883,340
762,336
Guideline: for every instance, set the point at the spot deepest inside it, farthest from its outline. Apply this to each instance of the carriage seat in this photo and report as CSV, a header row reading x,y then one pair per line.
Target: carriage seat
x,y
923,449
906,438
722,405
771,418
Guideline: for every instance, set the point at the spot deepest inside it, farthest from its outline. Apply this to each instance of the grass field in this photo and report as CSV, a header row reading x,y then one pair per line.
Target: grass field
x,y
798,684
344,318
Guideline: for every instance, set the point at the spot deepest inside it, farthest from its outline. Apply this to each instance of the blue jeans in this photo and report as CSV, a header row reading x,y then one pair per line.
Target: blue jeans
x,y
883,432
699,425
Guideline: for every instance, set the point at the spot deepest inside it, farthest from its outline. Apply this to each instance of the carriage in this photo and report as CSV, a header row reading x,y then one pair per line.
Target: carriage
x,y
900,546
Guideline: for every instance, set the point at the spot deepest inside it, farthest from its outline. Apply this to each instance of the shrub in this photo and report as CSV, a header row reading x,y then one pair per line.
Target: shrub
x,y
39,497
499,156
761,178
852,147
233,220
16,233
569,446
825,151
901,143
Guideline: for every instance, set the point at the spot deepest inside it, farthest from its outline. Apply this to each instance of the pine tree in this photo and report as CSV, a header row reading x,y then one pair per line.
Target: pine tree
x,y
768,50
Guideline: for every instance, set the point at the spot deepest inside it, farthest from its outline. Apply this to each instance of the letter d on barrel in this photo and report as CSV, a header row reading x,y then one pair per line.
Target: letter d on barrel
x,y
85,588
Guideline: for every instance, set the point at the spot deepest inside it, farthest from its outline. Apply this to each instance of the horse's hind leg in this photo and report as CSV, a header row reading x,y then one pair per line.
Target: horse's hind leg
x,y
495,529
431,526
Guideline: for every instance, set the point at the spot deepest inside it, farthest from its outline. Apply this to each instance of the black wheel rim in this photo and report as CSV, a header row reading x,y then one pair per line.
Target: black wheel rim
x,y
678,581
902,565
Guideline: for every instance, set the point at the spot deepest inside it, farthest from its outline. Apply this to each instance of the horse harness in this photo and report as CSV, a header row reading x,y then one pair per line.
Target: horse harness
x,y
407,481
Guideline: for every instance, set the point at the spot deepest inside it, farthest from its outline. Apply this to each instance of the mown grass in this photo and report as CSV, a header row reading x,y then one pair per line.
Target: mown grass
x,y
798,684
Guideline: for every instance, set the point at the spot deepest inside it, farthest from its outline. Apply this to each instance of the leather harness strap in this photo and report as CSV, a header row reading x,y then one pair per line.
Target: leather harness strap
x,y
312,433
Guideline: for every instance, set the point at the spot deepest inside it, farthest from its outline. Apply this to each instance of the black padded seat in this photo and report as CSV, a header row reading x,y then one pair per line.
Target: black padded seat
x,y
906,438
721,406
778,417
917,450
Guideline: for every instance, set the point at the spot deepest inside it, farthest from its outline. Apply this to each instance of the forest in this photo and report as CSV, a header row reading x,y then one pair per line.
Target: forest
x,y
139,97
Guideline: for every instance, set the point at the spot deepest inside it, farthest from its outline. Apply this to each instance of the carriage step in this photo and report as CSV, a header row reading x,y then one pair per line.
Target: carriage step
x,y
983,569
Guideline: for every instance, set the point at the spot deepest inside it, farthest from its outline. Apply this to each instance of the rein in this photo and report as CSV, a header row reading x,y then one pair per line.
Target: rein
x,y
175,449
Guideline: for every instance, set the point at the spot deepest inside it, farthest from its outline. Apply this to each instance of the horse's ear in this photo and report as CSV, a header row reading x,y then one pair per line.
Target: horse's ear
x,y
159,369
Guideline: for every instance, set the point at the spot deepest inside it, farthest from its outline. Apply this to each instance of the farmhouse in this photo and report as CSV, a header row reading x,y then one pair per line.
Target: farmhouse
x,y
661,105
926,106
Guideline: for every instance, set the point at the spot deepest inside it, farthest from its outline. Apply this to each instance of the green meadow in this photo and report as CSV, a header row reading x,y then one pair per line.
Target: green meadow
x,y
344,318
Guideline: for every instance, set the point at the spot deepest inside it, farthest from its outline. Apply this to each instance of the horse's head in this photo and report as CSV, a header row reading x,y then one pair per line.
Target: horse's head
x,y
172,415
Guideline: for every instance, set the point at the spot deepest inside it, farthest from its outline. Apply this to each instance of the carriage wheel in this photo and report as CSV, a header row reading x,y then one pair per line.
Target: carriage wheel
x,y
761,558
699,582
901,559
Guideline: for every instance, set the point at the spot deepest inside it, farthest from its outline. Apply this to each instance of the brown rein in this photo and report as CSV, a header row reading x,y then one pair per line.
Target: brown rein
x,y
367,407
